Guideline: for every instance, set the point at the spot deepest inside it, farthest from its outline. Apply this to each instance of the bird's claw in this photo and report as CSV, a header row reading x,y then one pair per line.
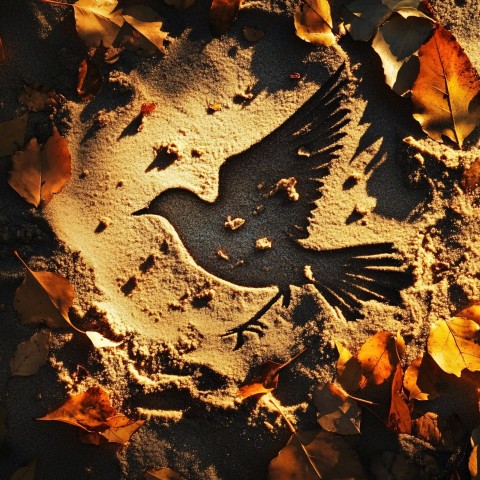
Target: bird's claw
x,y
253,325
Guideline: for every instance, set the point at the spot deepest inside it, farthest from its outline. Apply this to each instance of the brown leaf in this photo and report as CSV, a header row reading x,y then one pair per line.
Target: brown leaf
x,y
266,381
97,22
454,345
39,173
92,412
421,378
399,419
443,433
142,31
45,298
379,357
38,98
331,454
349,370
337,412
26,473
446,92
12,135
164,473
90,79
313,23
222,14
31,354
471,177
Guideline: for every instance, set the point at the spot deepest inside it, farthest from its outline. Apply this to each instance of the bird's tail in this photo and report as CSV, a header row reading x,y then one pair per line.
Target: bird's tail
x,y
347,278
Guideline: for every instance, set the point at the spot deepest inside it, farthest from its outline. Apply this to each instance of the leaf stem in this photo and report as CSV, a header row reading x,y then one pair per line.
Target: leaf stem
x,y
294,432
54,2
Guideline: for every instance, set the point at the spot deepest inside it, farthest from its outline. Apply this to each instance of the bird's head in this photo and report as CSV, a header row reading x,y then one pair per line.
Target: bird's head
x,y
173,204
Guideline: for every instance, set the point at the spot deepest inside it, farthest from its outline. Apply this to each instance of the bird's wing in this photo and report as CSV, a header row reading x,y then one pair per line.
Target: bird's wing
x,y
302,148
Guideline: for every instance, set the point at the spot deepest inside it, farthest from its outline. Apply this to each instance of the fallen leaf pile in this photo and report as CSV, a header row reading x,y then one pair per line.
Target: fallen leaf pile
x,y
420,58
94,415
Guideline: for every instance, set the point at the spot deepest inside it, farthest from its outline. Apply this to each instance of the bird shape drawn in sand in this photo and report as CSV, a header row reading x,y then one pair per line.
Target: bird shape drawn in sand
x,y
259,188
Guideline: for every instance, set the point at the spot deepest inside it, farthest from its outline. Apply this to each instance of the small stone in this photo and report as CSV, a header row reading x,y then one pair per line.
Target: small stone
x,y
234,223
263,244
288,186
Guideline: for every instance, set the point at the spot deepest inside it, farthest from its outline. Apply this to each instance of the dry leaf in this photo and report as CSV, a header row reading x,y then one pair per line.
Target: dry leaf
x,y
474,461
471,177
26,473
38,98
222,14
399,419
379,357
31,354
313,23
443,433
349,370
266,381
333,457
446,93
180,4
164,473
45,298
396,41
454,345
470,313
336,411
97,21
12,135
39,173
421,378
92,412
252,34
145,35
90,79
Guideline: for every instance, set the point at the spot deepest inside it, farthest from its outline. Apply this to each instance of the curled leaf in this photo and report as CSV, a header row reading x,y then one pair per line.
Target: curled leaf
x,y
446,94
39,173
313,22
266,381
12,135
332,456
336,411
90,79
31,354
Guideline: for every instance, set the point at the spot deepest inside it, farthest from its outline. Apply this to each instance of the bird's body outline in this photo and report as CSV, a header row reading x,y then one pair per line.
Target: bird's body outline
x,y
345,277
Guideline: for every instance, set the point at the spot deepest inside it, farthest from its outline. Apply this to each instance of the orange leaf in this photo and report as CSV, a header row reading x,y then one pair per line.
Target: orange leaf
x,y
446,92
222,14
39,173
349,370
313,23
421,378
92,412
164,473
379,357
332,456
399,419
266,381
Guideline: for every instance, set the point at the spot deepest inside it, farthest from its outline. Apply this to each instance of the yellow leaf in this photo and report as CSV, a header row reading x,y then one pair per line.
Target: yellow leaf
x,y
453,345
313,23
446,92
349,369
31,354
12,135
